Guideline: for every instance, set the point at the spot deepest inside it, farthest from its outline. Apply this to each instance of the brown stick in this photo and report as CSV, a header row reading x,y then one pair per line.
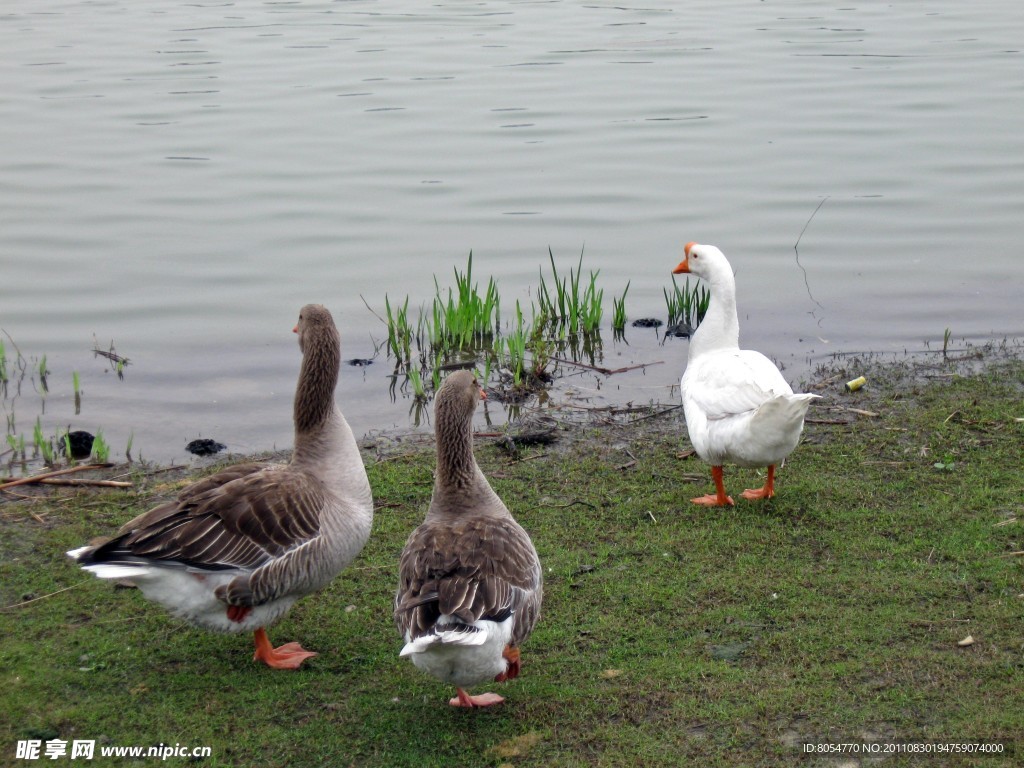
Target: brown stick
x,y
858,411
84,481
44,475
606,371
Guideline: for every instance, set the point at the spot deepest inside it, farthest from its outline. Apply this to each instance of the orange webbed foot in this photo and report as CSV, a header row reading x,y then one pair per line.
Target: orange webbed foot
x,y
287,656
719,497
463,699
714,500
762,493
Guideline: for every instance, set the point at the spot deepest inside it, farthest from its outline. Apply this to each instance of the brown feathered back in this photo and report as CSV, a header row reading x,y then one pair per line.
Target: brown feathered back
x,y
470,558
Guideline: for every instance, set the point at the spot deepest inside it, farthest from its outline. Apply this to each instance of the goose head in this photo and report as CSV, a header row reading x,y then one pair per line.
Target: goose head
x,y
314,321
702,261
458,397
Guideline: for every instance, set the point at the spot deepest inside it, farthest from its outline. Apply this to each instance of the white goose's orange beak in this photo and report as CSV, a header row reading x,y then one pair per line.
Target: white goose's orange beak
x,y
684,265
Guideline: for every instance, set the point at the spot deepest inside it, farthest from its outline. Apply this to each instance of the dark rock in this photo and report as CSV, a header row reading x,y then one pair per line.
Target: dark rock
x,y
647,322
359,362
205,447
81,444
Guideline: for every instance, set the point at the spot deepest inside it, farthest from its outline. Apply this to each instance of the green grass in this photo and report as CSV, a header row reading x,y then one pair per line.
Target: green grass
x,y
686,305
671,634
463,327
619,313
573,307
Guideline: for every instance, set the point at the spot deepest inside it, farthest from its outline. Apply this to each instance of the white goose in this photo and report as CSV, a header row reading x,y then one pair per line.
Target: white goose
x,y
739,409
235,550
469,589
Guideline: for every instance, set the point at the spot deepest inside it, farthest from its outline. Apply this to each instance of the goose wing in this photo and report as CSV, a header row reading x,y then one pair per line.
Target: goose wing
x,y
242,517
729,383
480,568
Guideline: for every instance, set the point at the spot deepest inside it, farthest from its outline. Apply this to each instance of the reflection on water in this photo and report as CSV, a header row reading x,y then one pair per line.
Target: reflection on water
x,y
180,178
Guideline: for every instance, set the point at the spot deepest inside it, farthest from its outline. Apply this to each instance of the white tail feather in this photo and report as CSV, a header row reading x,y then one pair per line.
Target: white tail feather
x,y
110,571
450,637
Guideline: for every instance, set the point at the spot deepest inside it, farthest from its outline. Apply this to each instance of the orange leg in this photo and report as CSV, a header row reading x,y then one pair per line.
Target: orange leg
x,y
512,670
287,656
763,493
483,700
718,499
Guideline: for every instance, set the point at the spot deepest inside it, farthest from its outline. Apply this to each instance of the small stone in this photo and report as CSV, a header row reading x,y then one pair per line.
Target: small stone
x,y
205,447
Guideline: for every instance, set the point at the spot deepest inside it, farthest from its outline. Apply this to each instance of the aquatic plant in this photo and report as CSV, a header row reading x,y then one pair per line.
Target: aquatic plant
x,y
416,380
100,448
515,348
619,312
43,444
43,373
572,307
399,331
465,319
3,368
688,305
462,327
76,383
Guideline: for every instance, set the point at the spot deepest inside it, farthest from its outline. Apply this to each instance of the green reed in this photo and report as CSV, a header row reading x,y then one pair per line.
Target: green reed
x,y
43,444
687,305
43,373
619,313
399,330
515,348
100,448
571,306
465,319
416,381
463,325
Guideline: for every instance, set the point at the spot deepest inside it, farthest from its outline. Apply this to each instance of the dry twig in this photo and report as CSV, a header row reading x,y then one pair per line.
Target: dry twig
x,y
44,475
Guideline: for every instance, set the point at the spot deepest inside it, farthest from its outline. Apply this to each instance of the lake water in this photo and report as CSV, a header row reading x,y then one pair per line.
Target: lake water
x,y
178,179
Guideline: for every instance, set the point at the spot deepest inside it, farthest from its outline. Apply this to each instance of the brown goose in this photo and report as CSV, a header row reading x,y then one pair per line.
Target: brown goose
x,y
469,588
235,550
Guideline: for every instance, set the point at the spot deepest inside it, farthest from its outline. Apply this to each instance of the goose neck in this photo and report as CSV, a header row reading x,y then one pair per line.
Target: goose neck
x,y
318,377
720,328
457,470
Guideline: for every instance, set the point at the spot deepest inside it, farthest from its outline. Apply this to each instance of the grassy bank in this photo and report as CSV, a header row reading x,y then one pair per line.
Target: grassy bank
x,y
671,634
